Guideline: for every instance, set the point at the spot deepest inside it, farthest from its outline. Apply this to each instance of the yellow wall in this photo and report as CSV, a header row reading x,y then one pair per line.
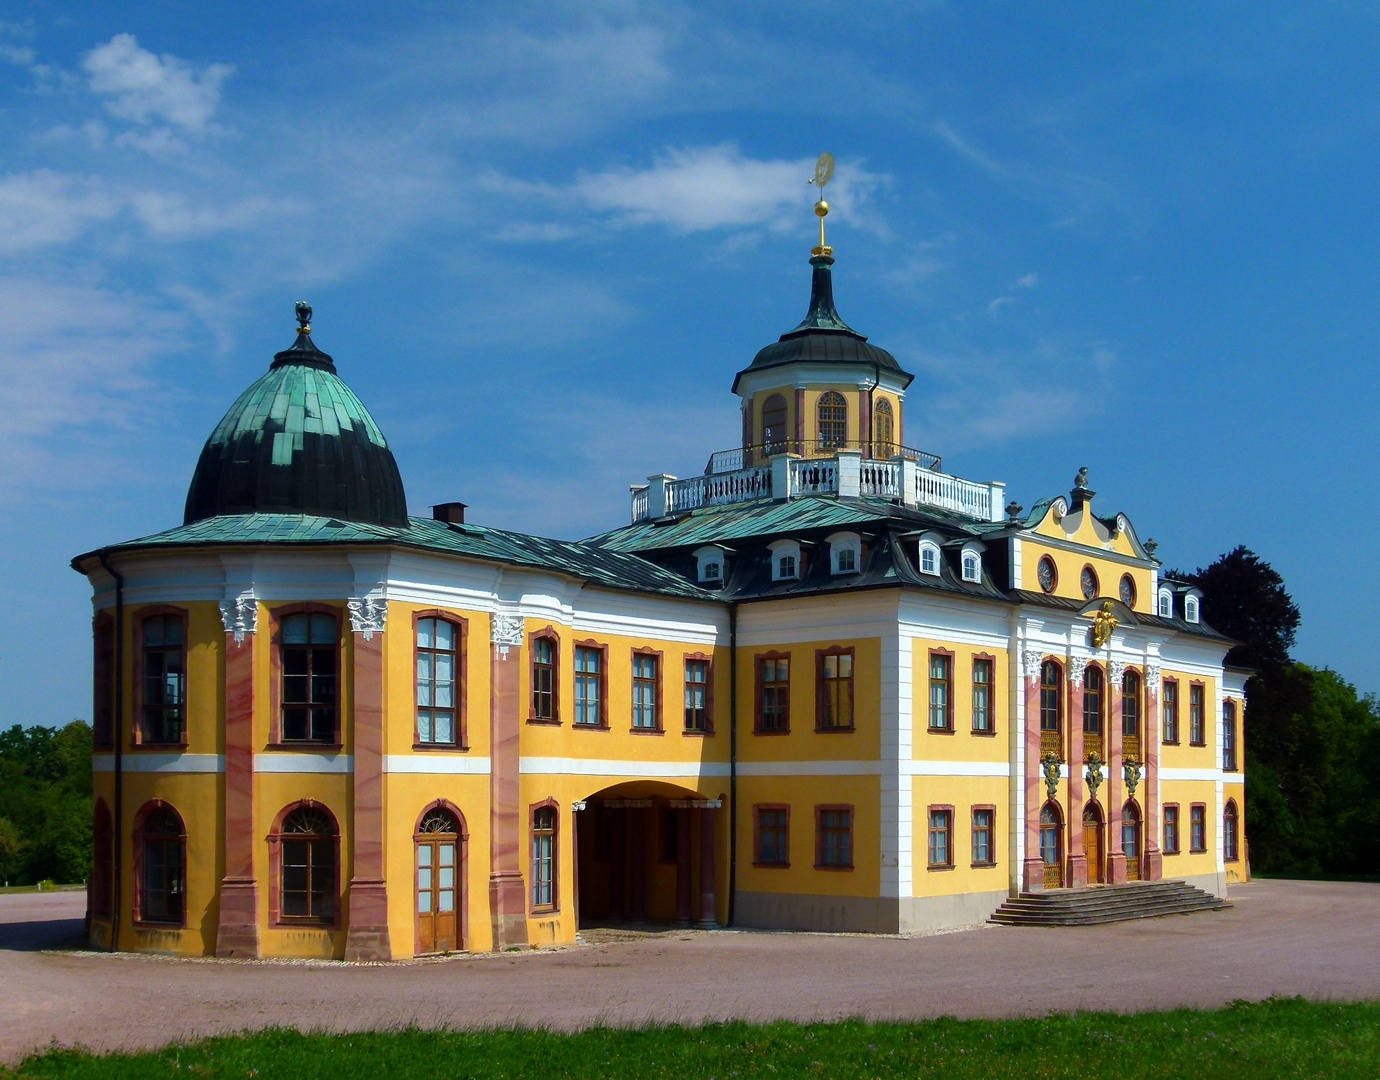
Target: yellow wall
x,y
963,744
813,393
1081,528
962,793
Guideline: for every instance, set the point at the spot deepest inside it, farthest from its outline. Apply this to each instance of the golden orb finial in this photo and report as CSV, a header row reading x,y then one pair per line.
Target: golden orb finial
x,y
824,172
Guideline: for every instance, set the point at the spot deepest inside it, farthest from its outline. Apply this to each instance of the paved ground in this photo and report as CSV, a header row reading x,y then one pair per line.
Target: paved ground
x,y
1321,940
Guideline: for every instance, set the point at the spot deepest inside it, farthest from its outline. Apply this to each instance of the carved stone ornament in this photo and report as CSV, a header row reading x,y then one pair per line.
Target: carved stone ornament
x,y
506,632
1094,774
1031,662
367,616
1104,622
1152,678
1076,667
1049,765
1130,772
1117,670
240,616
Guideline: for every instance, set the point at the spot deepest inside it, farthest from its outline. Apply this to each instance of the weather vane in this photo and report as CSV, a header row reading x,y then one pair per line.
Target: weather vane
x,y
824,172
303,317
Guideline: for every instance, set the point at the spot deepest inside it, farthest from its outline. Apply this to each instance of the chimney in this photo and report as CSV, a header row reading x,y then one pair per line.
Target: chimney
x,y
453,512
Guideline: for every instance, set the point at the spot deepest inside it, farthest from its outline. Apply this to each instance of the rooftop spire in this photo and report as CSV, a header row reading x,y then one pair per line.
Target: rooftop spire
x,y
303,350
824,172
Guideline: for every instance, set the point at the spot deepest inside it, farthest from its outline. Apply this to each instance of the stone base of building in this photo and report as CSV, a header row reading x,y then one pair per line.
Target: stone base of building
x,y
864,914
1210,883
508,910
98,932
237,935
366,935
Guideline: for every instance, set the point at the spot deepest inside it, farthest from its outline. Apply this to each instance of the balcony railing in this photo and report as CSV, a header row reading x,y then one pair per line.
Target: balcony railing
x,y
844,473
722,461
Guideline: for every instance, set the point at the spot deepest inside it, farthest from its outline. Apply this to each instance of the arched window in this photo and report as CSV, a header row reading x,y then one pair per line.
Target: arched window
x,y
929,559
1130,705
1191,609
544,857
1165,606
307,850
160,843
1130,839
1052,844
972,565
833,420
102,860
1231,833
1092,701
1051,700
439,885
438,667
883,430
774,424
308,653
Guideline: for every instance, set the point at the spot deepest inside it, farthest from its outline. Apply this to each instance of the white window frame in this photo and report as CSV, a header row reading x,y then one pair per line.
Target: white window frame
x,y
842,542
707,557
780,551
974,550
1166,598
929,542
1193,608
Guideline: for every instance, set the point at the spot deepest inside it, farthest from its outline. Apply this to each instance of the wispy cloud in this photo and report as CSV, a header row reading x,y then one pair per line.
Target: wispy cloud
x,y
43,208
140,86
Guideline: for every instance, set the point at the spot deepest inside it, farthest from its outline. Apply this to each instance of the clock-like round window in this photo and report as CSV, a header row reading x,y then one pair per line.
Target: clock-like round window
x,y
1049,577
1128,591
1088,581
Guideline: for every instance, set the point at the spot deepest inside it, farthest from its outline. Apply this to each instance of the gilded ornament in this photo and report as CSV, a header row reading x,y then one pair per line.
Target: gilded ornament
x,y
1049,765
1130,771
1093,774
1104,622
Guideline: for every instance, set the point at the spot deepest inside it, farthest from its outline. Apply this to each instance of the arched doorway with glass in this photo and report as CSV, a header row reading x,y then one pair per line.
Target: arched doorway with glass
x,y
1131,839
1052,844
1094,843
441,923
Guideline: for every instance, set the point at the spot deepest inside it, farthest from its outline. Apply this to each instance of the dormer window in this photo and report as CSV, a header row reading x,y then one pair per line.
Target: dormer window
x,y
1191,609
845,552
710,565
1165,609
929,555
713,571
785,560
970,563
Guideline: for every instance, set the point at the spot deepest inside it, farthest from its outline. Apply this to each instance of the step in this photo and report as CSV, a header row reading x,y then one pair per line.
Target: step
x,y
1105,904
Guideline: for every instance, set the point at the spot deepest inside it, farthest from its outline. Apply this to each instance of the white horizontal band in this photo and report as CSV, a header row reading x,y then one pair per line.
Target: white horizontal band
x,y
1210,775
304,763
564,766
160,763
436,764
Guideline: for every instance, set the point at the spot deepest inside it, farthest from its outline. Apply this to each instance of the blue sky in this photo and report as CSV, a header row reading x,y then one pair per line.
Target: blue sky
x,y
541,240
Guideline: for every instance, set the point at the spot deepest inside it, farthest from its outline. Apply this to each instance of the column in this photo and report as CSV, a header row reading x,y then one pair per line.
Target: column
x,y
1033,872
366,936
1150,751
637,821
1077,876
237,933
682,863
1116,858
507,895
707,864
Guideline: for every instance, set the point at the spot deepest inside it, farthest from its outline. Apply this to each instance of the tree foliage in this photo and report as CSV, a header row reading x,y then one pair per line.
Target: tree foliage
x,y
1246,600
45,804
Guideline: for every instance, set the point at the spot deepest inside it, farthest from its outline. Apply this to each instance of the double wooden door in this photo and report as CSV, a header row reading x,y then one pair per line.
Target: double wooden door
x,y
1093,846
438,922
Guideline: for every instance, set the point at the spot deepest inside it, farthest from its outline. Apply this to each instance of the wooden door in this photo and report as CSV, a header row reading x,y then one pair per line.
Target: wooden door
x,y
1130,845
1092,845
438,927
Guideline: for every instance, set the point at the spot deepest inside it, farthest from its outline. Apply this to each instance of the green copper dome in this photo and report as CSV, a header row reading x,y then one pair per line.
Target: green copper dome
x,y
298,441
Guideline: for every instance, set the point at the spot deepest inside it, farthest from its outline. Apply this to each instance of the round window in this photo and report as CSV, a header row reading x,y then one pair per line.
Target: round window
x,y
1128,591
1088,581
1049,577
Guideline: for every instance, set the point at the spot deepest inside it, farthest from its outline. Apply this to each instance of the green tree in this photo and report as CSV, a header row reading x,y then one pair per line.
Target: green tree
x,y
11,851
1244,597
45,799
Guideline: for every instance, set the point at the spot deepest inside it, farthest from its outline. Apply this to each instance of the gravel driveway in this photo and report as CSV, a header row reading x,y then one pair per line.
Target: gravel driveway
x,y
1321,940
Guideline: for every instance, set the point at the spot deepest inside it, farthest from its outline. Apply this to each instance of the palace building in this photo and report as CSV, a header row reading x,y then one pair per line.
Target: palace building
x,y
825,685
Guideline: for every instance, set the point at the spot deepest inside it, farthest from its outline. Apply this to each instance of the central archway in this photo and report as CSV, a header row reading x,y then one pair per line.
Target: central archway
x,y
645,853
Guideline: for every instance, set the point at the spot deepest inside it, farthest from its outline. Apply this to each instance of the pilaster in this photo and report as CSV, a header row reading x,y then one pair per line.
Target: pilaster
x,y
237,930
507,894
366,936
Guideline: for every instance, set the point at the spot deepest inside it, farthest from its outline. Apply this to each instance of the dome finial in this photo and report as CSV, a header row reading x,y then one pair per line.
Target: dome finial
x,y
303,317
824,172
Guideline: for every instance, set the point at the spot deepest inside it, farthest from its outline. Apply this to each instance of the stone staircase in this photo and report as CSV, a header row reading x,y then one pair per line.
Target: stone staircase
x,y
1106,904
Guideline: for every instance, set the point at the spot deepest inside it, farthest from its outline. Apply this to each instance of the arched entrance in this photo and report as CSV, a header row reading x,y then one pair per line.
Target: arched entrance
x,y
1052,844
1094,843
440,880
1131,839
645,853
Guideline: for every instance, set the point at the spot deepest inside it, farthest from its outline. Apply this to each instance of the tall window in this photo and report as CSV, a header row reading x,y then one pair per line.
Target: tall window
x,y
982,695
103,682
1130,705
774,693
1170,723
162,848
645,685
941,692
1051,696
436,669
1050,839
589,686
544,857
1231,833
696,695
884,429
1197,725
773,836
833,420
1197,827
1130,831
307,888
309,676
1171,830
102,860
984,853
437,843
835,691
1092,701
774,424
543,679
941,838
165,679
1229,736
835,836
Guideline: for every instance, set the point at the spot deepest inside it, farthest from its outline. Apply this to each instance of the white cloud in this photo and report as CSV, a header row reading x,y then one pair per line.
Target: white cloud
x,y
172,216
1029,281
43,208
142,87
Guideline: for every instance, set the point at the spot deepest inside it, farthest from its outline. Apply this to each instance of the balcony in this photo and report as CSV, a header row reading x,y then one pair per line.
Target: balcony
x,y
909,477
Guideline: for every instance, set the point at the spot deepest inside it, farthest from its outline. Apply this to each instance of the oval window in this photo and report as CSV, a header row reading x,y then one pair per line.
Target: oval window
x,y
1128,591
1049,577
1088,581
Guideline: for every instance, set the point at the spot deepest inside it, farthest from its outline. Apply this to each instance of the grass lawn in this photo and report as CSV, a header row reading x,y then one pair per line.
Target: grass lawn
x,y
1280,1037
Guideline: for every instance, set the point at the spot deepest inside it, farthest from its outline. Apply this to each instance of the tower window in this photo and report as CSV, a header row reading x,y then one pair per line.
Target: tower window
x,y
774,424
883,430
833,420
